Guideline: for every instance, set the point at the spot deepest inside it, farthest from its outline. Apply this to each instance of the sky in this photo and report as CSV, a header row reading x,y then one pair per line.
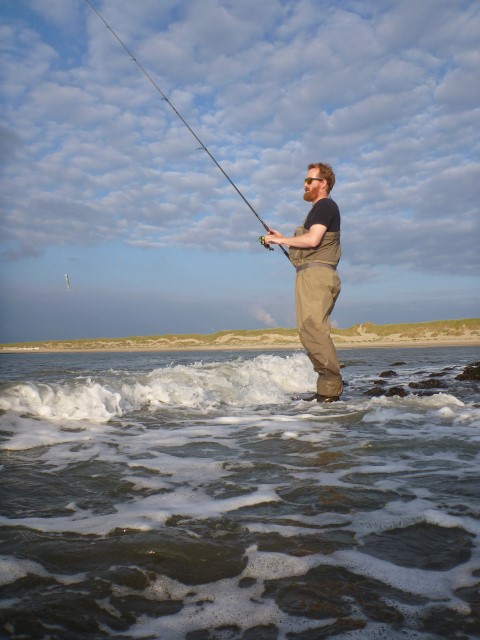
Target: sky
x,y
102,181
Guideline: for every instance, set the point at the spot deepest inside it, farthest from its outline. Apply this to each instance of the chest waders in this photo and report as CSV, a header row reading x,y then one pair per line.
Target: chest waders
x,y
317,288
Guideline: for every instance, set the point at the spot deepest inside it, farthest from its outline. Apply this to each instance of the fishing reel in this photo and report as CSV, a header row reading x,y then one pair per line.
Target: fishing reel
x,y
263,243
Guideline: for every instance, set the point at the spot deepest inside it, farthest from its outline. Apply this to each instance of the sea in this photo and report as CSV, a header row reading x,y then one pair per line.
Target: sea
x,y
203,496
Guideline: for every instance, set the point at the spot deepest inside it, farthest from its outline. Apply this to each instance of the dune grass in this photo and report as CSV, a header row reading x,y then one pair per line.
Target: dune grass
x,y
414,330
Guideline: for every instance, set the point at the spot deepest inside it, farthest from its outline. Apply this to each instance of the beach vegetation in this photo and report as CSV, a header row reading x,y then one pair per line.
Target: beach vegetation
x,y
362,333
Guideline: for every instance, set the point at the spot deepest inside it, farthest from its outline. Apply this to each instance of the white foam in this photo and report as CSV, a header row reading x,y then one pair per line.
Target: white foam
x,y
188,468
429,584
273,566
447,521
29,433
218,604
290,435
12,569
264,380
89,401
222,603
145,514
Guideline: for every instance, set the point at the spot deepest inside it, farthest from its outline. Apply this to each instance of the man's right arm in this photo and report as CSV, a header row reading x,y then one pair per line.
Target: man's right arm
x,y
308,240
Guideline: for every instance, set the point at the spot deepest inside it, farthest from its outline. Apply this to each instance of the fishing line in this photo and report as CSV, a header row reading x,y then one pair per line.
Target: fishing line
x,y
202,146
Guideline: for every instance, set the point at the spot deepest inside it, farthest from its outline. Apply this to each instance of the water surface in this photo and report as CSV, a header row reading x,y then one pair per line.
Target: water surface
x,y
187,495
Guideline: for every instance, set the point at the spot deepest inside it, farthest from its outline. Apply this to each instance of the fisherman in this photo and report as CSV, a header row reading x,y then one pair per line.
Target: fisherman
x,y
315,252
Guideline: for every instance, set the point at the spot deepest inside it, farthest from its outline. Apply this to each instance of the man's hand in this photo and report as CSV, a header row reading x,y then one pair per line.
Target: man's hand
x,y
274,237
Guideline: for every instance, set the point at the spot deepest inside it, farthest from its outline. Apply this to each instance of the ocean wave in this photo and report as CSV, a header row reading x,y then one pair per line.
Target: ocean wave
x,y
264,380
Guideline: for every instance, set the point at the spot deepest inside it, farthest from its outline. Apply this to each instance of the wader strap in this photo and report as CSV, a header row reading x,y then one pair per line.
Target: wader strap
x,y
308,265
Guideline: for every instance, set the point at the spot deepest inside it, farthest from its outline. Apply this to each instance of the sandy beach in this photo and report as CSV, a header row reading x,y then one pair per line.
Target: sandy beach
x,y
367,335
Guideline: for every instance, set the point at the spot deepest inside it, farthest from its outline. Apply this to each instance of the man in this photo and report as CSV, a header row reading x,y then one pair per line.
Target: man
x,y
315,251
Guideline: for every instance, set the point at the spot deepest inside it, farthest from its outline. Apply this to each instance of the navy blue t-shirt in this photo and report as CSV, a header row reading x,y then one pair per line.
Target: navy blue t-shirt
x,y
325,212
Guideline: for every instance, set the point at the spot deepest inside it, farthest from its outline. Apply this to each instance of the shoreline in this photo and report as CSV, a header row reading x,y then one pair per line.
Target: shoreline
x,y
365,344
437,333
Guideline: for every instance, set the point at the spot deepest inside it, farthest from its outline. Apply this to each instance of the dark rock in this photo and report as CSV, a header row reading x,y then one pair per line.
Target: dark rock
x,y
425,547
424,394
262,632
379,382
396,391
397,364
388,374
427,384
470,373
438,375
375,392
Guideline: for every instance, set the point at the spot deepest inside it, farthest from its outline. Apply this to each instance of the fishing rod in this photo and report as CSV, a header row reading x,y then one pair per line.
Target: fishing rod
x,y
202,146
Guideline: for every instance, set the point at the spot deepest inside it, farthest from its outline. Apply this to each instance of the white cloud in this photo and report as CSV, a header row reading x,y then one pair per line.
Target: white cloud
x,y
268,87
62,14
264,316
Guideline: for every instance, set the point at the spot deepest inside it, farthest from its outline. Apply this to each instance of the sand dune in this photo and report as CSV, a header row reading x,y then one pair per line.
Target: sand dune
x,y
437,333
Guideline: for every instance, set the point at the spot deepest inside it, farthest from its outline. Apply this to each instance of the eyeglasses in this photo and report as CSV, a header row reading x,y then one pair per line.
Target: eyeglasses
x,y
310,180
